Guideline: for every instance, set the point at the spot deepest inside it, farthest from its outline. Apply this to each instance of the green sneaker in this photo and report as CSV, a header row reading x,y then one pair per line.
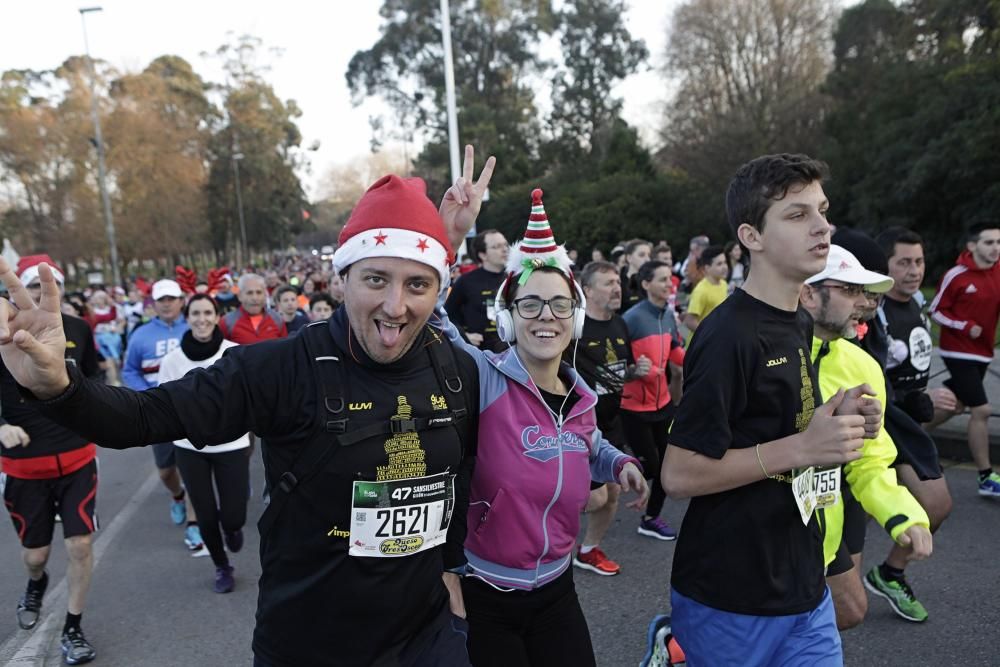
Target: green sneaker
x,y
899,595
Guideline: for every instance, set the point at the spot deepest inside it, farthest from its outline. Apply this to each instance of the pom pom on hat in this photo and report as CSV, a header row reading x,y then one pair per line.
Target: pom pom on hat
x,y
27,269
538,247
394,218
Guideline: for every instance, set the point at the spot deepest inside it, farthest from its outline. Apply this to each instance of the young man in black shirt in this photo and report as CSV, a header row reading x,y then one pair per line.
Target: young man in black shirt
x,y
604,359
747,582
470,303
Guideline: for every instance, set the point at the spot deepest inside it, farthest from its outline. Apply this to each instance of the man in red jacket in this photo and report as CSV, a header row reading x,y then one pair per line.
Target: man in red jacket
x,y
967,307
253,321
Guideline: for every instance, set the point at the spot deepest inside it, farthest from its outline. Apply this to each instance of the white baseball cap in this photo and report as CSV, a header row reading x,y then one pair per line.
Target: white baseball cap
x,y
166,287
842,265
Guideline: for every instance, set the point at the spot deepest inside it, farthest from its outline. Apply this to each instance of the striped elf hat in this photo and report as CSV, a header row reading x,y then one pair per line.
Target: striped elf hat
x,y
538,247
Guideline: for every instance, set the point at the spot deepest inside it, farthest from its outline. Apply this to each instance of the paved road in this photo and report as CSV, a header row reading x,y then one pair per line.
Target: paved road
x,y
152,605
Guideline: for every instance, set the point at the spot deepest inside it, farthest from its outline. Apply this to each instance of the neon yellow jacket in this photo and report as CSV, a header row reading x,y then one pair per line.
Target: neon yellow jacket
x,y
872,480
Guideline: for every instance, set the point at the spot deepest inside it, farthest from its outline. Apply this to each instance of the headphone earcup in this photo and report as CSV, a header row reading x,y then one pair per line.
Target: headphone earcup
x,y
580,314
505,325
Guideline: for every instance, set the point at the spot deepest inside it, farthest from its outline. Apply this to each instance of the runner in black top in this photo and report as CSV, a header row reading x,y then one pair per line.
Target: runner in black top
x,y
367,422
49,471
470,302
747,577
604,360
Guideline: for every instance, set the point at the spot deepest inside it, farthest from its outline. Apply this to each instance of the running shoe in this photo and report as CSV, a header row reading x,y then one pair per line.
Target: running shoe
x,y
234,540
75,647
178,511
224,579
200,552
657,528
662,650
595,561
29,607
990,486
898,594
192,538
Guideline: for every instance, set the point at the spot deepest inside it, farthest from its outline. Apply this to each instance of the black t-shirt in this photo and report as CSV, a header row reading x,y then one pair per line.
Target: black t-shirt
x,y
470,306
908,325
603,355
48,437
748,379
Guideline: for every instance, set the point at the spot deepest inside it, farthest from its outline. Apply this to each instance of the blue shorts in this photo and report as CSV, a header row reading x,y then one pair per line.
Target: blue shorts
x,y
714,638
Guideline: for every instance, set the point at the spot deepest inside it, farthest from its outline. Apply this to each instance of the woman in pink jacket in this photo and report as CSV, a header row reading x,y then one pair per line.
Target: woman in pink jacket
x,y
539,448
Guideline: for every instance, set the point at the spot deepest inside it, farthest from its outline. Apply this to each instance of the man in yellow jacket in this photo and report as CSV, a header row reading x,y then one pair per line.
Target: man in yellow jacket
x,y
835,298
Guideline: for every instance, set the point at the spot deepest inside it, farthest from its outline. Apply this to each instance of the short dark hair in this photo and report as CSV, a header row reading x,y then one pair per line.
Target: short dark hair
x,y
635,243
710,253
663,247
322,296
284,288
975,229
764,180
592,269
888,239
200,297
648,270
478,245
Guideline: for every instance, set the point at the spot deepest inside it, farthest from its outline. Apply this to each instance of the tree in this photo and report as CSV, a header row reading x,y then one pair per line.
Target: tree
x,y
259,131
597,53
495,54
157,138
916,92
748,80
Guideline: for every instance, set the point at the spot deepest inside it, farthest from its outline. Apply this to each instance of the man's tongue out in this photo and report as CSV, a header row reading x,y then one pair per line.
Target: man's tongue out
x,y
389,333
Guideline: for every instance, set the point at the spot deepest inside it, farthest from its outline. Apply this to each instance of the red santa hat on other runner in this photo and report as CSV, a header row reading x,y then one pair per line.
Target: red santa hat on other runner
x,y
27,269
394,218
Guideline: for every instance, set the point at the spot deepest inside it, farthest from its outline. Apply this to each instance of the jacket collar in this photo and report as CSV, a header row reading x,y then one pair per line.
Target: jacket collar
x,y
508,363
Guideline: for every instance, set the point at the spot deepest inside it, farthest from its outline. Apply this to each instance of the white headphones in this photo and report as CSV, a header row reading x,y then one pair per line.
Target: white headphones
x,y
505,320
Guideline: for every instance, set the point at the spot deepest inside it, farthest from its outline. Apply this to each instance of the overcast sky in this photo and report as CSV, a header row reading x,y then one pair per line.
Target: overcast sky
x,y
317,38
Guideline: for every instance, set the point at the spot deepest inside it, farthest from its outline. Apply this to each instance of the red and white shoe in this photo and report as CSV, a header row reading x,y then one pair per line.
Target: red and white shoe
x,y
596,561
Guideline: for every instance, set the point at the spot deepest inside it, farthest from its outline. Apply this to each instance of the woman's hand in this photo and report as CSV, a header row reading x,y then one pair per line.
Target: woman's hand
x,y
631,479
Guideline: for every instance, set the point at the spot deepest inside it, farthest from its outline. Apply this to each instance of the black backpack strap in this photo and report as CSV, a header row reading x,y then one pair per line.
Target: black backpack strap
x,y
445,366
311,459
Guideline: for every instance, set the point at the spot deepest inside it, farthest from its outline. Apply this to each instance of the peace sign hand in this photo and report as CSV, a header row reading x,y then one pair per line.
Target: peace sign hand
x,y
32,340
461,203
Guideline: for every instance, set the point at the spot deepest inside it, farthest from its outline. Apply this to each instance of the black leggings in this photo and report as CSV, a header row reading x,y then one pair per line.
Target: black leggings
x,y
648,440
536,628
231,471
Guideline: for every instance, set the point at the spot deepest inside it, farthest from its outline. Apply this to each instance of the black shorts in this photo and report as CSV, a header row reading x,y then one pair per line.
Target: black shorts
x,y
967,380
853,539
34,503
163,455
914,446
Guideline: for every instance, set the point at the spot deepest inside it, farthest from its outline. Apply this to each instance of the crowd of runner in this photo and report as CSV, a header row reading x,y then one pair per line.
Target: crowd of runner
x,y
780,381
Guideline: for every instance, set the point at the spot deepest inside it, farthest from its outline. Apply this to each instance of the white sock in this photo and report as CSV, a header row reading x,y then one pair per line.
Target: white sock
x,y
584,549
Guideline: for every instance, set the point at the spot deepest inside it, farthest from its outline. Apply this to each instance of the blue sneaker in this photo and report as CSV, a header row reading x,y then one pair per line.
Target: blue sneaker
x,y
192,538
990,486
224,582
178,511
662,650
657,528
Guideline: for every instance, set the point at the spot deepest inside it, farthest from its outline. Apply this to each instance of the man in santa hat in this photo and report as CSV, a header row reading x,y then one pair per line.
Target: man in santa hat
x,y
370,429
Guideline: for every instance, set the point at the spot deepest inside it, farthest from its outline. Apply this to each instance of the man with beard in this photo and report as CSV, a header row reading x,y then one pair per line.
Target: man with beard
x,y
838,298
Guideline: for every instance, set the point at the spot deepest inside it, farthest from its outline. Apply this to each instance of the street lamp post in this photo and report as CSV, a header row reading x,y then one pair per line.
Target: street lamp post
x,y
109,222
237,156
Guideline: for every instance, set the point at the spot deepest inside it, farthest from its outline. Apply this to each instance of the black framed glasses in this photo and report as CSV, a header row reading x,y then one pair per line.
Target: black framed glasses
x,y
530,307
854,291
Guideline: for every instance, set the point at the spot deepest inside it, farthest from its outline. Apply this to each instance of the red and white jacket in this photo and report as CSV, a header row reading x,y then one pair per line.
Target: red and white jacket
x,y
968,296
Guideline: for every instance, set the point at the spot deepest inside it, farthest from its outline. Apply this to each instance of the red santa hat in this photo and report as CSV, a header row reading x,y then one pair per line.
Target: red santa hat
x,y
394,218
27,269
